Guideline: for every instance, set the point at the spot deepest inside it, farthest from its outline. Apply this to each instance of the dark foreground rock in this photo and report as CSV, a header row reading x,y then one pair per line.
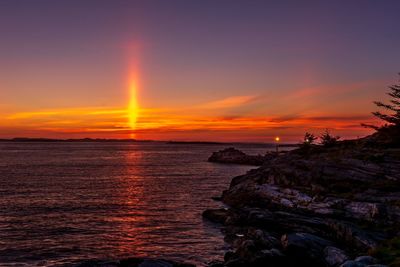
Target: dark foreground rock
x,y
216,215
235,156
134,262
316,206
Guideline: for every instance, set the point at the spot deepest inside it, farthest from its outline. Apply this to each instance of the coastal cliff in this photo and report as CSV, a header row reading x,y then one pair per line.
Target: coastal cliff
x,y
317,206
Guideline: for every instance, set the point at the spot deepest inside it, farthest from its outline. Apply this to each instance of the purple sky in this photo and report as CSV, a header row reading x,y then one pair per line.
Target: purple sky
x,y
317,64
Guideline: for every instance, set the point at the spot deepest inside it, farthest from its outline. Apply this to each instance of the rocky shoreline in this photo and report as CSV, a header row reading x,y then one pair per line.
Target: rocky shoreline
x,y
316,206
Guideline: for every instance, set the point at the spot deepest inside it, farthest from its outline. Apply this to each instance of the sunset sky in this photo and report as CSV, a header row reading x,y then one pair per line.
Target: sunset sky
x,y
194,70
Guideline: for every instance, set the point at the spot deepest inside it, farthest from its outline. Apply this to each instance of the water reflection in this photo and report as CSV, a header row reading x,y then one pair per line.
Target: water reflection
x,y
130,195
62,203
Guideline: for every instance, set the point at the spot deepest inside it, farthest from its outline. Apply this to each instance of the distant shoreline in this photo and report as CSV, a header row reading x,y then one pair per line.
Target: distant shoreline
x,y
28,139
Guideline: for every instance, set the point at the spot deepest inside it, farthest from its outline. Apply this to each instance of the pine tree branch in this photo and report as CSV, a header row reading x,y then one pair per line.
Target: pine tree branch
x,y
383,105
394,94
389,118
370,126
395,102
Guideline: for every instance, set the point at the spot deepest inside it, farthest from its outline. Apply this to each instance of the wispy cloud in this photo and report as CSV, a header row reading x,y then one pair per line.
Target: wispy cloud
x,y
229,102
289,118
26,115
329,90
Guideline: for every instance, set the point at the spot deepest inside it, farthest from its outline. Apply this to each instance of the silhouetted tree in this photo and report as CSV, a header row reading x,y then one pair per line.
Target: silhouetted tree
x,y
328,140
392,119
309,139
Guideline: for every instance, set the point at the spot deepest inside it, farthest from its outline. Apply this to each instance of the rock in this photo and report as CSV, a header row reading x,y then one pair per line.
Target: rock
x,y
247,249
352,264
269,257
235,156
273,252
216,215
366,260
305,246
154,263
236,263
229,255
263,239
286,202
334,256
249,253
216,264
354,235
99,263
363,210
284,196
217,198
144,262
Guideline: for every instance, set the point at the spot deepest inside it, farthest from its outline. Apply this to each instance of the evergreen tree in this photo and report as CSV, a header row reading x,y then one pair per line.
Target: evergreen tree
x,y
393,118
328,140
309,139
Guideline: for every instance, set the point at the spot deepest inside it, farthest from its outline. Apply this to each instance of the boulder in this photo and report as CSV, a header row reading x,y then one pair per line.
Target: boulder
x,y
216,215
352,264
305,247
263,239
363,210
334,256
366,260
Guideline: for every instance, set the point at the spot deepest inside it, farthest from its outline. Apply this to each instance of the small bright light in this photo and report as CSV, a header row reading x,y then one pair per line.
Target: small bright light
x,y
277,139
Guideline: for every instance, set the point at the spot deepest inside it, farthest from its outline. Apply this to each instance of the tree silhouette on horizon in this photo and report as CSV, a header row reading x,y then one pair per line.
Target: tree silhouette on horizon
x,y
393,119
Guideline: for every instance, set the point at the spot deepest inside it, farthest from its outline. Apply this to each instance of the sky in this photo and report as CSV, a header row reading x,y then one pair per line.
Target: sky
x,y
194,70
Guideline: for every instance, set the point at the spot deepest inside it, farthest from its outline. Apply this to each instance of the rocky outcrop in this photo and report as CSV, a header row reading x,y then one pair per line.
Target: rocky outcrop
x,y
314,207
235,156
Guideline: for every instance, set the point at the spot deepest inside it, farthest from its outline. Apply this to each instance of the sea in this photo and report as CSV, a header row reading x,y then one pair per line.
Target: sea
x,y
64,203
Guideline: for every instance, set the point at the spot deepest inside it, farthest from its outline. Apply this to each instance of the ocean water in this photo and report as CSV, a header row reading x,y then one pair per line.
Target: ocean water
x,y
64,203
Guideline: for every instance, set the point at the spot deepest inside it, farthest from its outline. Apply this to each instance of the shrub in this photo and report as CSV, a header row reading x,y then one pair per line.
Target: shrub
x,y
328,140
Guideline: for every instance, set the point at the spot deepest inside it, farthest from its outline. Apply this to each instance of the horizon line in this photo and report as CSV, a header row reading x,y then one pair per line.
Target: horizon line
x,y
89,139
